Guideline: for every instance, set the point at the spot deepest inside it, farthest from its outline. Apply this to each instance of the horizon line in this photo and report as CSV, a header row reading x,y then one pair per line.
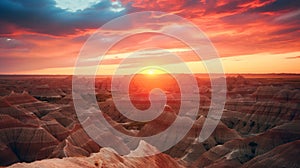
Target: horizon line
x,y
275,73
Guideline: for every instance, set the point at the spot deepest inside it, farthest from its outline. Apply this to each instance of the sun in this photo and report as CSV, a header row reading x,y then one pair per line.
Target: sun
x,y
152,71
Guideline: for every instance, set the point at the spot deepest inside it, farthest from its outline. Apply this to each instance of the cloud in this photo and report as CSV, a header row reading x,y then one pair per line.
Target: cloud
x,y
278,5
295,57
9,43
288,16
22,63
44,17
75,5
46,36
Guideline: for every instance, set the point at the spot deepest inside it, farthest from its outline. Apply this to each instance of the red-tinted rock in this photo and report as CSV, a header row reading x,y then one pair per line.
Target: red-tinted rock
x,y
286,155
56,129
7,156
243,150
26,101
107,158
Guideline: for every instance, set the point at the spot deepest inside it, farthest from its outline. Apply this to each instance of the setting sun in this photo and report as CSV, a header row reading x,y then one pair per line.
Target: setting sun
x,y
152,71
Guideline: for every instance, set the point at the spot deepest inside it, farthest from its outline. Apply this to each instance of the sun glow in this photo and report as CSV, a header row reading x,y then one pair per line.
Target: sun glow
x,y
152,71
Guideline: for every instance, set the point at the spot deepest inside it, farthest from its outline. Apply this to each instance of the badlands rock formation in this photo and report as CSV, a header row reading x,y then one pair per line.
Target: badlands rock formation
x,y
259,126
108,158
281,156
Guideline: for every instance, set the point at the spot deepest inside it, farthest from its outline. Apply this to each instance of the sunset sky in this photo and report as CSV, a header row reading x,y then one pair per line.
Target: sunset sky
x,y
251,36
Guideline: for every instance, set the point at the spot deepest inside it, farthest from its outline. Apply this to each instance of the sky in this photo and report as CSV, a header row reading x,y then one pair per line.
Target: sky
x,y
251,36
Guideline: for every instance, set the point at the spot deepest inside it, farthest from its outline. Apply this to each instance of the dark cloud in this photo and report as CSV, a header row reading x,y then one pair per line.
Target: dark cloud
x,y
43,17
8,43
290,18
81,39
243,18
296,57
279,5
285,31
24,63
283,14
192,3
228,7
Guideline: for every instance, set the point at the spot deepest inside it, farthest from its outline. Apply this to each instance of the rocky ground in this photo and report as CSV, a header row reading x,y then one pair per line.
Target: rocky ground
x,y
259,126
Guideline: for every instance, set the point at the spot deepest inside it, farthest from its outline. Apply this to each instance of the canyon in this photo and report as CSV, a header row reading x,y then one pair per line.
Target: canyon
x,y
259,126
